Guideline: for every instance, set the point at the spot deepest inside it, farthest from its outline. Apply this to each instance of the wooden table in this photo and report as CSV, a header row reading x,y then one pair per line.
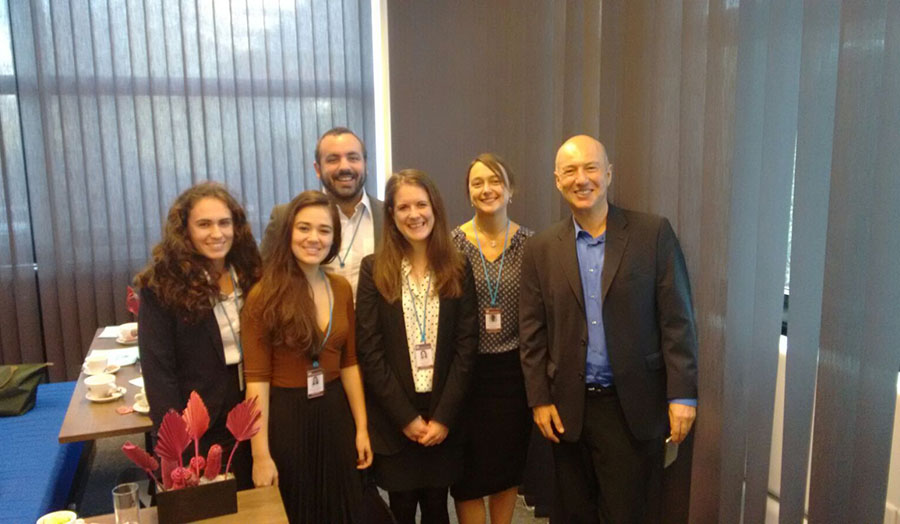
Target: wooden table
x,y
260,505
86,420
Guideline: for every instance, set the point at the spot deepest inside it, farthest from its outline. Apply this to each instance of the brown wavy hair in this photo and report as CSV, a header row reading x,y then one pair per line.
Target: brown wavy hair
x,y
443,258
183,279
288,313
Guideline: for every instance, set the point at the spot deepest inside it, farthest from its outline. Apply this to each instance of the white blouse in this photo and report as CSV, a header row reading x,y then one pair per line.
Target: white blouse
x,y
422,378
228,316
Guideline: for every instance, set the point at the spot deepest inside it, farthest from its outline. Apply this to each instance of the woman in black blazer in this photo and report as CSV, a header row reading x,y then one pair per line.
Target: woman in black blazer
x,y
416,342
189,319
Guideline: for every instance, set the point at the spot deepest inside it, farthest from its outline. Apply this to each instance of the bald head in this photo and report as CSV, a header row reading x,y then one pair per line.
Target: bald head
x,y
583,174
582,145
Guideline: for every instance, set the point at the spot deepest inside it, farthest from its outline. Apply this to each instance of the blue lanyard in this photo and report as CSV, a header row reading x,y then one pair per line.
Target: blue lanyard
x,y
423,324
343,259
493,291
235,288
330,316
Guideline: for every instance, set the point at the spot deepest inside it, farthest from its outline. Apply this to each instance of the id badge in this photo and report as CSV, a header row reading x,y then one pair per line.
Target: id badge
x,y
424,356
492,322
241,375
315,383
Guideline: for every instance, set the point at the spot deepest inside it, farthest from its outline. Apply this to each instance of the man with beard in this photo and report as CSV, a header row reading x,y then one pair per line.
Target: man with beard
x,y
341,167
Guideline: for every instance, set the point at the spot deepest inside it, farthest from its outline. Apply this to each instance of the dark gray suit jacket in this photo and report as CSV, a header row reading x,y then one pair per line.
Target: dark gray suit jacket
x,y
647,317
279,211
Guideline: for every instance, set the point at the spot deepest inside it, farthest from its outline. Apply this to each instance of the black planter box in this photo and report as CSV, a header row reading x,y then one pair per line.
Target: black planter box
x,y
199,502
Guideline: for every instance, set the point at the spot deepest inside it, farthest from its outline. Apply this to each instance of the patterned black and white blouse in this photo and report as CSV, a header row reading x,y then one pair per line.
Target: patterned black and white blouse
x,y
508,298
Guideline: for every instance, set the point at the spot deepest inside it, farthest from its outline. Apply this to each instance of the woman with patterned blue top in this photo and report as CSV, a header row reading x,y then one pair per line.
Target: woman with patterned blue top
x,y
498,421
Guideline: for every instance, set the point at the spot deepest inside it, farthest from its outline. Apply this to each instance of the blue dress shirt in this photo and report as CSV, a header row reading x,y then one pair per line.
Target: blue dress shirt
x,y
590,251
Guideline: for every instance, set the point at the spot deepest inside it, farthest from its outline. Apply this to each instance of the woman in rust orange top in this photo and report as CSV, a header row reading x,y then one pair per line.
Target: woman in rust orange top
x,y
298,341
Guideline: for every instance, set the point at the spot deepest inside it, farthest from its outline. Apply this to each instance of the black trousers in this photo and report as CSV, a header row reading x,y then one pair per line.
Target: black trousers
x,y
433,502
608,476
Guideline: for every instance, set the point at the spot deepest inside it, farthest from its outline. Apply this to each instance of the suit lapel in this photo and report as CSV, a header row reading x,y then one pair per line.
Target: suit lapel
x,y
568,259
616,240
404,366
211,326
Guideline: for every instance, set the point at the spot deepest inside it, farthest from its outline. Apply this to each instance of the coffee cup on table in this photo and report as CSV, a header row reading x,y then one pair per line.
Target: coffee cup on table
x,y
95,364
101,386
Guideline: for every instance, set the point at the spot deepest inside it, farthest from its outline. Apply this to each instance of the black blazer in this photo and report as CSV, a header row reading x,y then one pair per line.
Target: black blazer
x,y
647,317
383,355
279,211
178,357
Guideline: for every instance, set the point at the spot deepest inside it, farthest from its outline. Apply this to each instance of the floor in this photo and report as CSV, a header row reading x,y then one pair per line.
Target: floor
x,y
109,463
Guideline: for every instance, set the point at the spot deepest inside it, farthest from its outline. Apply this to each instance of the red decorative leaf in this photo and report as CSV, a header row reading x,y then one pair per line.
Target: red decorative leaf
x,y
213,461
173,437
196,417
132,301
242,422
168,466
140,457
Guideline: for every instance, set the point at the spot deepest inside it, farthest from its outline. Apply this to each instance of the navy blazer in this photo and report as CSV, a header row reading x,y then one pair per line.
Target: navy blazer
x,y
383,354
648,321
178,357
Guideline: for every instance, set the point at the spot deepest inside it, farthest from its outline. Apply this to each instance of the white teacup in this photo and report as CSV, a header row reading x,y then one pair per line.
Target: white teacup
x,y
140,398
95,364
101,386
59,517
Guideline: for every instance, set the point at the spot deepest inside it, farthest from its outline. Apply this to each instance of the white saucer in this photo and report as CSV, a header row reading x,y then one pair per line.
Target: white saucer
x,y
111,369
117,395
143,410
126,342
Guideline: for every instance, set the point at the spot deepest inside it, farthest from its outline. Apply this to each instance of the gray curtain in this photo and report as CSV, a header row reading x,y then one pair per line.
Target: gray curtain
x,y
712,110
126,103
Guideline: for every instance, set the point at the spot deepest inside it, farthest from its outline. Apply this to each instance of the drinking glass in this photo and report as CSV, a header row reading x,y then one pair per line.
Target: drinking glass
x,y
126,503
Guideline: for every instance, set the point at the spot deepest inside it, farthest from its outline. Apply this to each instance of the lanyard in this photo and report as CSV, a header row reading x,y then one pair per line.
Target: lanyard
x,y
330,316
343,259
493,291
237,340
423,324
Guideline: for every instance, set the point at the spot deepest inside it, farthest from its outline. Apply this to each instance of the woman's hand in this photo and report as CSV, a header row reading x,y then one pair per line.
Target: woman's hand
x,y
363,450
435,434
264,472
415,429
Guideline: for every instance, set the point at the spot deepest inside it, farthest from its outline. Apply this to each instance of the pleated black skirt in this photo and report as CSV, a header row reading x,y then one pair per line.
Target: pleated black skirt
x,y
496,425
312,442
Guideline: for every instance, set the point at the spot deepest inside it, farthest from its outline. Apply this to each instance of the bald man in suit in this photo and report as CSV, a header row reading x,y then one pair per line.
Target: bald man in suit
x,y
608,345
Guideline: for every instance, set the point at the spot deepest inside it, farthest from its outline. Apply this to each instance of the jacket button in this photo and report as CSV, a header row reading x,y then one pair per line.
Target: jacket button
x,y
583,342
581,376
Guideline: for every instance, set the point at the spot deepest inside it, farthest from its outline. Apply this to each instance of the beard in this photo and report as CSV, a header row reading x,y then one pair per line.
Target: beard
x,y
343,194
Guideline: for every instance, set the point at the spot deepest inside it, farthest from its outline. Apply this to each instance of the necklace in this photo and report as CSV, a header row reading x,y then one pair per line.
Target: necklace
x,y
491,241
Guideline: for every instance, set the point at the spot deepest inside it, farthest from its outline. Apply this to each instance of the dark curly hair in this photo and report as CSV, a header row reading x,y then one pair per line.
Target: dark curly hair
x,y
288,313
183,279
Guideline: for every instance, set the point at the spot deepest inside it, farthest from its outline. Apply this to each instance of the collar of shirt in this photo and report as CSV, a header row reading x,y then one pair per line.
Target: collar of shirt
x,y
583,235
363,203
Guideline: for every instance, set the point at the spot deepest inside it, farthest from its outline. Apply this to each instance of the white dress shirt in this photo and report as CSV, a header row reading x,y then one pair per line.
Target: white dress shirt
x,y
354,248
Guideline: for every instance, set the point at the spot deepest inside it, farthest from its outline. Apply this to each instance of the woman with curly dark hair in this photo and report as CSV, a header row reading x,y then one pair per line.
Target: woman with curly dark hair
x,y
189,320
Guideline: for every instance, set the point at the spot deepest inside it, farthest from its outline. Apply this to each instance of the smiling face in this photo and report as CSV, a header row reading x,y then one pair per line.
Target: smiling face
x,y
313,235
211,229
583,173
487,190
413,214
341,166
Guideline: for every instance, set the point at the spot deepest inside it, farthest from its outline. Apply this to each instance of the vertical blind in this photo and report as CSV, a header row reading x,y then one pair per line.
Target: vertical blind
x,y
126,103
